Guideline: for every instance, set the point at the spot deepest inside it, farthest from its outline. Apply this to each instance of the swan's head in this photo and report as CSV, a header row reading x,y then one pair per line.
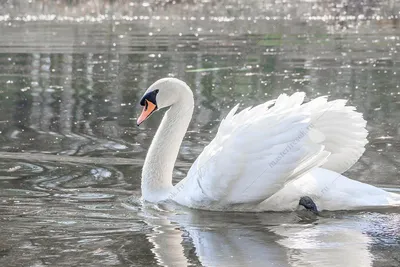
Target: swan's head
x,y
163,93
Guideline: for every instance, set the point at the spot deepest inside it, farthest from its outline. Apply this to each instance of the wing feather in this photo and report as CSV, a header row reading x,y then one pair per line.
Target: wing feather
x,y
258,150
343,130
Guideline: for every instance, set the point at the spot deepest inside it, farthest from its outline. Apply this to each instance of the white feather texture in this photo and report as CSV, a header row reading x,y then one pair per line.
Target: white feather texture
x,y
341,129
260,152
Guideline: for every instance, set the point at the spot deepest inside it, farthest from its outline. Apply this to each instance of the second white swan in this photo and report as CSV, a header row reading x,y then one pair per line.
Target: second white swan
x,y
271,157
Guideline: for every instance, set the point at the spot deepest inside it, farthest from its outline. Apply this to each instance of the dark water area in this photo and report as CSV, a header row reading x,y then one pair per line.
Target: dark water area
x,y
71,75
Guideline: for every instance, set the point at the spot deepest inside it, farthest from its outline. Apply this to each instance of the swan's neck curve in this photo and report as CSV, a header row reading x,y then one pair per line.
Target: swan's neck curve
x,y
160,159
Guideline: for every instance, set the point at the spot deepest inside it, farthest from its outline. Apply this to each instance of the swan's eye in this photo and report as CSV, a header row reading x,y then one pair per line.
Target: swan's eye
x,y
150,96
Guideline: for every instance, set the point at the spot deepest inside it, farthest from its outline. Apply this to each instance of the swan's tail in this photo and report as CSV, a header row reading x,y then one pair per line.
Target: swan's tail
x,y
393,199
331,191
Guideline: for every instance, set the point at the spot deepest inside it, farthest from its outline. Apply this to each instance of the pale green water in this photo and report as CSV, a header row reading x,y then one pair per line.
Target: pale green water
x,y
69,87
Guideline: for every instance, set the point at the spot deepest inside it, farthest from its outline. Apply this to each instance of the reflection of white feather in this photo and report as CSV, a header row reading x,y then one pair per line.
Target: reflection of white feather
x,y
167,246
329,243
236,247
249,240
166,238
218,241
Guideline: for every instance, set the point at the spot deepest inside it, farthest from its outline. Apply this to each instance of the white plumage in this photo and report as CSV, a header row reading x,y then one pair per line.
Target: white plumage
x,y
268,156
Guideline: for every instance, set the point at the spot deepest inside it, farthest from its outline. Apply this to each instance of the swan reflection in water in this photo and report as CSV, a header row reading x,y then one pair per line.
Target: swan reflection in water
x,y
256,239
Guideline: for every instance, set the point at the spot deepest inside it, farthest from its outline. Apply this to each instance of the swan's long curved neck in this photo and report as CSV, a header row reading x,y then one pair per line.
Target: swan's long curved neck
x,y
163,151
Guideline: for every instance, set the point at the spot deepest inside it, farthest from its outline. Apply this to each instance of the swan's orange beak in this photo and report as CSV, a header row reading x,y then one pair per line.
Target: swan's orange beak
x,y
148,109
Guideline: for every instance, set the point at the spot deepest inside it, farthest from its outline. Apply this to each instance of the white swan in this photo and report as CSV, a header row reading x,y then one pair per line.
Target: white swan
x,y
263,158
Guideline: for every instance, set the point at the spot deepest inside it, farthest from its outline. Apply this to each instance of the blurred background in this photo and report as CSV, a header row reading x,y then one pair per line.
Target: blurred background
x,y
71,75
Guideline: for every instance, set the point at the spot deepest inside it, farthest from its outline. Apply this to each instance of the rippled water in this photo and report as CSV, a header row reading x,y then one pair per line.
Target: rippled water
x,y
72,155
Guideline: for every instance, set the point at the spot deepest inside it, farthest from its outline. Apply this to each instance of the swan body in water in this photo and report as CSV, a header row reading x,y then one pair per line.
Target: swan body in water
x,y
271,157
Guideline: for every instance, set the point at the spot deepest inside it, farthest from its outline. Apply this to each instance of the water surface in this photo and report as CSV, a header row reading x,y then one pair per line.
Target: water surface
x,y
71,153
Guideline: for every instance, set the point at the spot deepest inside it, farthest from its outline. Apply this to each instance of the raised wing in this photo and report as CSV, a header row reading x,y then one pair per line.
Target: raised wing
x,y
340,129
253,155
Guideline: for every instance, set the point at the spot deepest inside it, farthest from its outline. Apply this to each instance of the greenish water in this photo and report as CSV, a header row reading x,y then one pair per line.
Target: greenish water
x,y
72,153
